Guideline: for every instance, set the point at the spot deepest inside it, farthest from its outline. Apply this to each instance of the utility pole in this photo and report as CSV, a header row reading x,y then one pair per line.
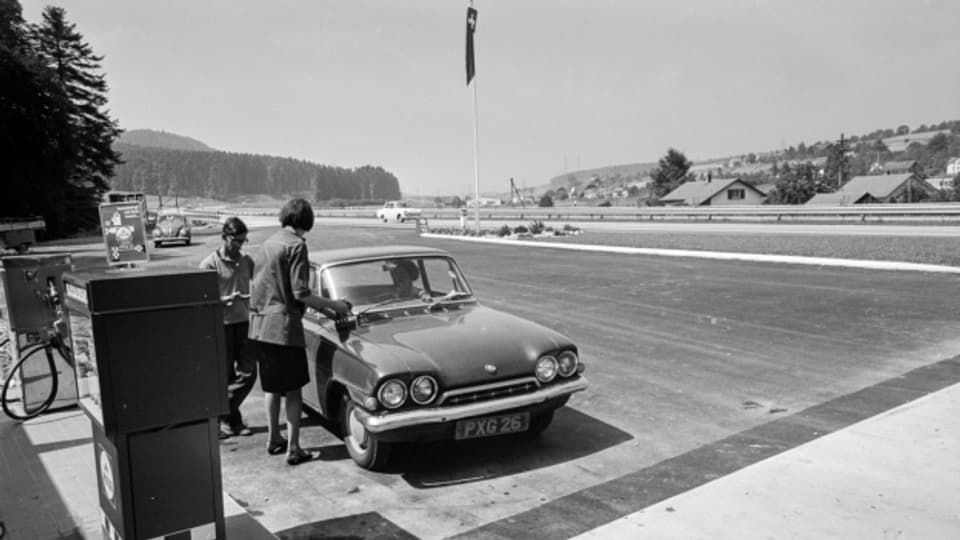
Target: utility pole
x,y
843,161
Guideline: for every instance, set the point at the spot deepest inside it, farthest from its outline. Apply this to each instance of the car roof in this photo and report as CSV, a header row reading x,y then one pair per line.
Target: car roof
x,y
343,255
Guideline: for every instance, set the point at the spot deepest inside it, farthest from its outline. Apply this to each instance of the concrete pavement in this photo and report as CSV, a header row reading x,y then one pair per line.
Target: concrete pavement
x,y
896,475
48,485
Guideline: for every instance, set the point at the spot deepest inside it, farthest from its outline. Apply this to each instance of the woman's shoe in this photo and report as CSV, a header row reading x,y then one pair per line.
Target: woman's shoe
x,y
276,448
298,457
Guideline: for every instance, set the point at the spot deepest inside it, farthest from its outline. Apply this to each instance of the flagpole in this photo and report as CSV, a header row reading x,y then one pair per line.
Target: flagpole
x,y
476,159
476,143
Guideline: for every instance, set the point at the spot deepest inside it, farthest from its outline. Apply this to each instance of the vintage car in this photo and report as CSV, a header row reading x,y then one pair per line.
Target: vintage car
x,y
398,211
172,228
421,359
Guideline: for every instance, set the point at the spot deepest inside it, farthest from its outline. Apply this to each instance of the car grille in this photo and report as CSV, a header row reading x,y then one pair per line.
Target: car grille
x,y
487,392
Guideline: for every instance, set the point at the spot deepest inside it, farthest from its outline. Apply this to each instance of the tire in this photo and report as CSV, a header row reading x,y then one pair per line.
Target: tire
x,y
157,244
400,218
187,243
364,448
539,423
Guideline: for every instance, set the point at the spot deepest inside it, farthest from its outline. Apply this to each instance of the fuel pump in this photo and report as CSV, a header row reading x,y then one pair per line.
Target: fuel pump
x,y
30,305
150,351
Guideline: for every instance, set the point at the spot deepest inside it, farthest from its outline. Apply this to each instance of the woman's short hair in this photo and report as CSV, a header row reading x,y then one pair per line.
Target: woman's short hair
x,y
233,226
297,214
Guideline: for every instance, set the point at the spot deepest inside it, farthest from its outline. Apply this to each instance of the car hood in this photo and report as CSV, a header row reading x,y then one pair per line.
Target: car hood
x,y
456,345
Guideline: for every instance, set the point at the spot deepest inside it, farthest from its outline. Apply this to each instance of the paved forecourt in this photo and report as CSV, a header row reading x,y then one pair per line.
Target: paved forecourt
x,y
896,475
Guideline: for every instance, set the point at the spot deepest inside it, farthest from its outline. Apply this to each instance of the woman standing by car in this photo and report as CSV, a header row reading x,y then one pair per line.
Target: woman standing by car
x,y
280,293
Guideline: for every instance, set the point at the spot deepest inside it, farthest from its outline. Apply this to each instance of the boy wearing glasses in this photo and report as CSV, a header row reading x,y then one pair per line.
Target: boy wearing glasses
x,y
235,269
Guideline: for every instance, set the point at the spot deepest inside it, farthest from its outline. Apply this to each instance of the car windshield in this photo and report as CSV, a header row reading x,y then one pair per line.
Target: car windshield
x,y
171,220
395,280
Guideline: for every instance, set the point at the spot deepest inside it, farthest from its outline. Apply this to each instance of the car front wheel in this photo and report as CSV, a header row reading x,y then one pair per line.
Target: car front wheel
x,y
363,447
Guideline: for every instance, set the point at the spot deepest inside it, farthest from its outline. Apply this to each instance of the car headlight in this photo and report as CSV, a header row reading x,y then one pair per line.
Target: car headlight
x,y
567,361
423,390
392,394
546,368
157,232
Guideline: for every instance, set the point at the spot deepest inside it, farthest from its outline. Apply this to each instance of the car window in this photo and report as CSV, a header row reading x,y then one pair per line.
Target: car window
x,y
173,220
375,281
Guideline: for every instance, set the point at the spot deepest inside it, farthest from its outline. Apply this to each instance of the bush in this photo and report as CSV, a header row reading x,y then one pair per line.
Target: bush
x,y
504,230
537,227
606,203
546,201
520,229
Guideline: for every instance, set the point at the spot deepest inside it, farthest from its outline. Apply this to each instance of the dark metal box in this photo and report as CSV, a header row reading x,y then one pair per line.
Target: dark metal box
x,y
148,346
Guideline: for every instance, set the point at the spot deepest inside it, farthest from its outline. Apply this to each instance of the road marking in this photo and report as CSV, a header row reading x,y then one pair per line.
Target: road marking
x,y
715,255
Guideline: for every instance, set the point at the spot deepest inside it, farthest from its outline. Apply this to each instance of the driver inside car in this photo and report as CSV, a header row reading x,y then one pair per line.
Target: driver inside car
x,y
404,273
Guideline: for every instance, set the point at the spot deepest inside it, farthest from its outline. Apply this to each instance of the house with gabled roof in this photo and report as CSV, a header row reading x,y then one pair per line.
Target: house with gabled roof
x,y
878,188
714,192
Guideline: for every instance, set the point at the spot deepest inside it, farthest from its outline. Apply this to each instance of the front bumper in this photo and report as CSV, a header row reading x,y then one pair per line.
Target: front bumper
x,y
405,419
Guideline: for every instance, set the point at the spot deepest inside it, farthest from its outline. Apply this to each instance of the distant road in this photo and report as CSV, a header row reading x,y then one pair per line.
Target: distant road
x,y
949,231
860,229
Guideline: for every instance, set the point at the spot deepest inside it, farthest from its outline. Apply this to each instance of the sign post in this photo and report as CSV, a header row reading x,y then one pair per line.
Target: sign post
x,y
124,233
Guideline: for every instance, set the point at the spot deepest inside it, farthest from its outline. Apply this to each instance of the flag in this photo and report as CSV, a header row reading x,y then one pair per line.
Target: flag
x,y
471,27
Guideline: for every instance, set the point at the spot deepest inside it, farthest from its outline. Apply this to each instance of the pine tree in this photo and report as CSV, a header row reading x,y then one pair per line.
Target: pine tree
x,y
89,131
31,105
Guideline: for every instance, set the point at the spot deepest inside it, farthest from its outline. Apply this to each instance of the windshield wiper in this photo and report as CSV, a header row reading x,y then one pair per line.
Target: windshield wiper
x,y
449,297
385,303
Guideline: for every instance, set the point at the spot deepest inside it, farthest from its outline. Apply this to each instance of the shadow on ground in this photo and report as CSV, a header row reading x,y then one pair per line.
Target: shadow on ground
x,y
426,465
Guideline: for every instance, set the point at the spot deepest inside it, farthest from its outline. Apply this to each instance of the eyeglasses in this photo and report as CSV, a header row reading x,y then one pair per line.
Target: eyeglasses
x,y
239,240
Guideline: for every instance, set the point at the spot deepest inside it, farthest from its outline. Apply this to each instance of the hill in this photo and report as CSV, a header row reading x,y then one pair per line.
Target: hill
x,y
167,164
161,139
627,171
863,150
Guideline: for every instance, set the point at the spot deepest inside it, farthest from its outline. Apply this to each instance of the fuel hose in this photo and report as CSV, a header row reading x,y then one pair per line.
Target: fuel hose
x,y
28,352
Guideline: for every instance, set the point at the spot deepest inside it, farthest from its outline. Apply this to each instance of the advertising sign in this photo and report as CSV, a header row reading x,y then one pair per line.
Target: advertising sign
x,y
124,233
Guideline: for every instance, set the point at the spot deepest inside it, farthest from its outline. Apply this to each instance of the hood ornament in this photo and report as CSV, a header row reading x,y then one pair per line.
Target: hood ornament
x,y
490,368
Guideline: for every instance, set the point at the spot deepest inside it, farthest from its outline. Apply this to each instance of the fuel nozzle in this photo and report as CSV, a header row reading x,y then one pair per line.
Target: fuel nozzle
x,y
53,293
345,323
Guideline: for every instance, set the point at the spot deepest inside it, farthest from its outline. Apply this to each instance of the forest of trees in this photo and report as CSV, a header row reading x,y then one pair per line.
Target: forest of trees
x,y
55,135
59,146
222,175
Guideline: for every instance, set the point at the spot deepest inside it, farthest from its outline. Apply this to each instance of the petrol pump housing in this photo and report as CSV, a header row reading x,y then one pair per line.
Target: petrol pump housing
x,y
31,288
151,375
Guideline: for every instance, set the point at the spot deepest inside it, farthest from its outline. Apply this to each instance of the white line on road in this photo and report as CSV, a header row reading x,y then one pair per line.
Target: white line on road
x,y
716,255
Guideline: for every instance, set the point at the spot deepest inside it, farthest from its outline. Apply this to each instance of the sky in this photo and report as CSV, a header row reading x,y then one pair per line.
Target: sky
x,y
561,85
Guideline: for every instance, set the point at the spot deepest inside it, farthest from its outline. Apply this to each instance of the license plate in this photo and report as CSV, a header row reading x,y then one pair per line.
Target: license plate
x,y
493,425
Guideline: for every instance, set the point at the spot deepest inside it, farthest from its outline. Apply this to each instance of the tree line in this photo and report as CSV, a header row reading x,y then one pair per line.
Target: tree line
x,y
221,175
55,134
59,145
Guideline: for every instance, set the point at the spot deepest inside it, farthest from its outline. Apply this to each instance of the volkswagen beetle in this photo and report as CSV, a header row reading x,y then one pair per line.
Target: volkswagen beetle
x,y
172,228
421,359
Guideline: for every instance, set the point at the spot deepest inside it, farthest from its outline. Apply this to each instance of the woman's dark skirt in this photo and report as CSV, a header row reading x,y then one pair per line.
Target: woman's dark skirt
x,y
282,368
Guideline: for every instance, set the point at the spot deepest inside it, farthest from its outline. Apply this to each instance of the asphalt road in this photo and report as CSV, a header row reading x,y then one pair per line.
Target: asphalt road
x,y
685,357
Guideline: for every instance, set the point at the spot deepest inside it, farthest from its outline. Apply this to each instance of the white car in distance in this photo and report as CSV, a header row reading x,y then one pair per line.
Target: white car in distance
x,y
398,211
